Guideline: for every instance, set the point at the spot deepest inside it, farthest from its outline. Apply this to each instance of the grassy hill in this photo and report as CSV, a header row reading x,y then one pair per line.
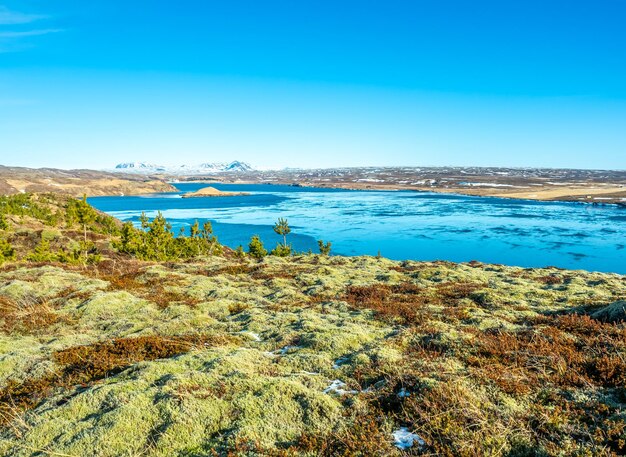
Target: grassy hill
x,y
15,180
307,355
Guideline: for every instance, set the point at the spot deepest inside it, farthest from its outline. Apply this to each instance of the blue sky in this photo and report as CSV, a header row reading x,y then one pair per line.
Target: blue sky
x,y
313,83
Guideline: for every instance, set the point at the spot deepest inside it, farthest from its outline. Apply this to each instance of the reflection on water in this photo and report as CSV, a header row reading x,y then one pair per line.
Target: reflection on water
x,y
402,225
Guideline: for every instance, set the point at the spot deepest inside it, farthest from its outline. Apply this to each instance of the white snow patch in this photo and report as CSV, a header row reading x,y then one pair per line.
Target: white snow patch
x,y
336,386
254,336
403,439
487,184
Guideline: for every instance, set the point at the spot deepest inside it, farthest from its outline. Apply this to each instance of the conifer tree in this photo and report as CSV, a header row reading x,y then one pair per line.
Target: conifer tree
x,y
207,230
85,214
4,225
281,227
195,229
6,251
256,248
324,247
42,252
143,219
159,238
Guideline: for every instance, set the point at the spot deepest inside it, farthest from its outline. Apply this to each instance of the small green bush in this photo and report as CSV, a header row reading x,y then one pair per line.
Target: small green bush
x,y
324,247
281,250
4,225
256,248
42,252
6,251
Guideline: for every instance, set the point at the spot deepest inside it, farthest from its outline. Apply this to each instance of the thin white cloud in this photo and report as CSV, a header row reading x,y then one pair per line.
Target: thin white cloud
x,y
8,17
28,33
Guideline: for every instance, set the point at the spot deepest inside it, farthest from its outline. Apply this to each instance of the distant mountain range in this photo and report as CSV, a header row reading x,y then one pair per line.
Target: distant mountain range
x,y
180,170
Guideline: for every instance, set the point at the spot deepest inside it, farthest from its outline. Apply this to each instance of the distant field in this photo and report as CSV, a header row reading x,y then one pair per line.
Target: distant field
x,y
593,186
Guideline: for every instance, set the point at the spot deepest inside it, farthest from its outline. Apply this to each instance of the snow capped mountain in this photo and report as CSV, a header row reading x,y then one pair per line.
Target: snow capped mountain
x,y
204,168
137,166
238,166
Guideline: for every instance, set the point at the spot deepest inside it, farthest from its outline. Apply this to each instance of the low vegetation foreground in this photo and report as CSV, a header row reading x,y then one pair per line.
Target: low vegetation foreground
x,y
115,342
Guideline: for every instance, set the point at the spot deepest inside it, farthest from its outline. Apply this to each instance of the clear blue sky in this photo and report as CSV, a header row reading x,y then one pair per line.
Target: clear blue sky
x,y
313,83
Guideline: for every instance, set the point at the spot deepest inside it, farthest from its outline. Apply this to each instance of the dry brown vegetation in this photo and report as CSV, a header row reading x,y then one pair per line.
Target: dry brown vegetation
x,y
569,368
28,315
151,289
408,302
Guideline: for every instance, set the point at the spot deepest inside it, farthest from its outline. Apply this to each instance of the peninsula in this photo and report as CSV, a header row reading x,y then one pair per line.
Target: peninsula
x,y
213,192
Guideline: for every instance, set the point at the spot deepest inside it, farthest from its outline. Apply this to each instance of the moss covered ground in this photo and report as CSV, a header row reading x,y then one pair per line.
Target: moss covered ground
x,y
310,355
304,355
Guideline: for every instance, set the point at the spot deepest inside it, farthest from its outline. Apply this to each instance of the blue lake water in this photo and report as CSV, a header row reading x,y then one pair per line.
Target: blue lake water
x,y
400,225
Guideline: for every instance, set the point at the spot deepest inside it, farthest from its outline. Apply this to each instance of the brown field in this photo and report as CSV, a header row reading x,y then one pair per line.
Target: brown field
x,y
15,180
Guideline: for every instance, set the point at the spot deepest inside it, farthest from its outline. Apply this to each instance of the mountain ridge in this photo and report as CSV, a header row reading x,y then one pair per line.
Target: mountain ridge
x,y
235,166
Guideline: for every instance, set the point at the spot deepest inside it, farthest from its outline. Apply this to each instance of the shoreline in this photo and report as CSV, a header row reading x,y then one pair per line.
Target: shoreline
x,y
390,187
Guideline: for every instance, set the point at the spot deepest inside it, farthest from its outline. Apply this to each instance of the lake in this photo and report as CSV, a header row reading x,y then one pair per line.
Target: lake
x,y
400,224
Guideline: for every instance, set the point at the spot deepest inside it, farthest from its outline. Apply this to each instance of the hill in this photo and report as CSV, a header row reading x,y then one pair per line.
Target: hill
x,y
15,180
200,354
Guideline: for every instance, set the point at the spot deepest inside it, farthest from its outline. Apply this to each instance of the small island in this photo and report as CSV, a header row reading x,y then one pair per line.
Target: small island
x,y
213,192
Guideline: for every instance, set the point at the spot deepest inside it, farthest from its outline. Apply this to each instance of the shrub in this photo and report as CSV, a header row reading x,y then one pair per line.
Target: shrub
x,y
324,247
4,225
281,250
30,205
256,248
42,252
157,241
6,251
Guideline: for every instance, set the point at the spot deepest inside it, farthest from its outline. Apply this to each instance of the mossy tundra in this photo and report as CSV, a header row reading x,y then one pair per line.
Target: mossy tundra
x,y
308,355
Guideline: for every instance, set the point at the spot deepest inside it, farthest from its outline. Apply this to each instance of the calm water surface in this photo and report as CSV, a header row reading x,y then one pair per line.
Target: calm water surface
x,y
401,225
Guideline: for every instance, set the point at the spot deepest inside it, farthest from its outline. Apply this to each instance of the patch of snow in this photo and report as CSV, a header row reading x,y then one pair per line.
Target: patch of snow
x,y
336,386
254,336
487,184
403,439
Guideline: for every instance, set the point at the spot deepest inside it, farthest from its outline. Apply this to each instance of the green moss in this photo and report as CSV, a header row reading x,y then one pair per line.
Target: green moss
x,y
270,391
